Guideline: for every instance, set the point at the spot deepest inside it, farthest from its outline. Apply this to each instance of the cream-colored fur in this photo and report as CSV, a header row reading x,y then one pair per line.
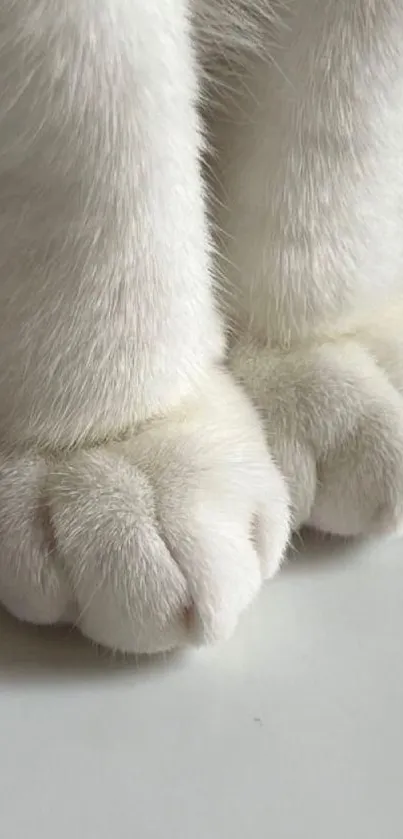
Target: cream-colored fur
x,y
310,204
138,496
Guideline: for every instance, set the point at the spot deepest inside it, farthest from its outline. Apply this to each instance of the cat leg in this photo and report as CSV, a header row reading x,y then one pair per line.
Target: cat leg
x,y
134,473
308,153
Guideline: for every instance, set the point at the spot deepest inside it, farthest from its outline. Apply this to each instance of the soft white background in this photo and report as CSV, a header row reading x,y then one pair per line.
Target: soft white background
x,y
292,730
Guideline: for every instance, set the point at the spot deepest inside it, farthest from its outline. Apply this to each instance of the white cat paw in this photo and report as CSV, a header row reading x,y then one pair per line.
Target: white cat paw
x,y
335,424
152,543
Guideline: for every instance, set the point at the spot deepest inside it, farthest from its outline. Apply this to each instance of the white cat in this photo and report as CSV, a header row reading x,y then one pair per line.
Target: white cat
x,y
141,495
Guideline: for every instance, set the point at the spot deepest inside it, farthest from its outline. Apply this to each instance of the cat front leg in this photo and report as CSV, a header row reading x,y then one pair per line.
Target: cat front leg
x,y
308,151
135,481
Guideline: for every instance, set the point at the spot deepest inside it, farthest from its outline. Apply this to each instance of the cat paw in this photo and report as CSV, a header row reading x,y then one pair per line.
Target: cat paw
x,y
152,543
334,422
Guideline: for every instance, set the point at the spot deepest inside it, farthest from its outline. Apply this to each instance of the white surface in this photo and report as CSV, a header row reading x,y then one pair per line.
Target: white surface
x,y
292,730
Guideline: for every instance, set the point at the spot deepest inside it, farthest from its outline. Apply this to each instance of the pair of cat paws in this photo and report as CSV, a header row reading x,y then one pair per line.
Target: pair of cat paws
x,y
162,540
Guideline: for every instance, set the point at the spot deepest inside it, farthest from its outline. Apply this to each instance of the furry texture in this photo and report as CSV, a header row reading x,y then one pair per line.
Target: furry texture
x,y
309,218
138,495
105,293
157,541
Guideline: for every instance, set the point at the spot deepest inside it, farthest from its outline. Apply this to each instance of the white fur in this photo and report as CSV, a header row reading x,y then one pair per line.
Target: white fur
x,y
308,164
310,209
107,313
153,542
137,495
